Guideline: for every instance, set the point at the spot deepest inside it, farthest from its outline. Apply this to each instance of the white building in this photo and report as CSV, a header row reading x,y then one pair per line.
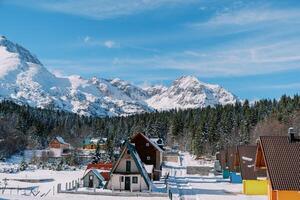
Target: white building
x,y
129,173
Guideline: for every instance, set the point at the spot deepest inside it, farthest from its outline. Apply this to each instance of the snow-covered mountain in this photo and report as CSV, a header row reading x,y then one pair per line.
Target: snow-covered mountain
x,y
189,92
25,80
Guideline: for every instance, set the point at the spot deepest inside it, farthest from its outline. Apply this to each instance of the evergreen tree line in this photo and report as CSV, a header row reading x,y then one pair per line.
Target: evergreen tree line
x,y
201,131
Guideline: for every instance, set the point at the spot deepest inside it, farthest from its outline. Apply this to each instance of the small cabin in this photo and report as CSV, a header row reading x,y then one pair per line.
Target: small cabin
x,y
280,157
92,143
59,148
105,169
223,162
149,152
254,181
234,175
93,179
59,143
129,172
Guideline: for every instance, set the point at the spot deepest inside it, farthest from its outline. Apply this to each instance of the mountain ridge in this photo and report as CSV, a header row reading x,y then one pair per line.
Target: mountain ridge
x,y
24,79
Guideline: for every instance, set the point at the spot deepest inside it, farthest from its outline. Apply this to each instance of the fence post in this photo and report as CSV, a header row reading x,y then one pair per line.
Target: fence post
x,y
66,186
53,188
76,185
70,186
58,188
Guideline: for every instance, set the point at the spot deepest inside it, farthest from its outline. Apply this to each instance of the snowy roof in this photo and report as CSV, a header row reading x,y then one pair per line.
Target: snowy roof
x,y
149,168
158,141
103,140
94,140
135,156
61,140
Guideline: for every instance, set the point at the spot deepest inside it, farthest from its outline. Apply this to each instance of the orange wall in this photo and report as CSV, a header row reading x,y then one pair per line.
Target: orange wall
x,y
282,194
271,193
288,195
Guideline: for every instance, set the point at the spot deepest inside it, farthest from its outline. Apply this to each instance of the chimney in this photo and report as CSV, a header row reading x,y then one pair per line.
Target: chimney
x,y
292,135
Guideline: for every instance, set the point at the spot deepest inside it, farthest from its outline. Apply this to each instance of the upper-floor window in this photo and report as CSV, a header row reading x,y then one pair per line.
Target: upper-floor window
x,y
128,166
147,144
148,158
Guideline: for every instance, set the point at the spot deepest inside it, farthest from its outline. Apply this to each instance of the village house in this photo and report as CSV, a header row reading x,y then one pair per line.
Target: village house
x,y
254,181
92,143
129,172
234,174
149,152
93,179
223,162
59,148
105,169
222,157
280,157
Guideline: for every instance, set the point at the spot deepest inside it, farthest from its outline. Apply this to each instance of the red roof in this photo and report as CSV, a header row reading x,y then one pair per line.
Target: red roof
x,y
106,175
102,166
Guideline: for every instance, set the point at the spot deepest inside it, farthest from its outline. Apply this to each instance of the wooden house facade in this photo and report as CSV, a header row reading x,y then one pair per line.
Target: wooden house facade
x,y
234,173
149,152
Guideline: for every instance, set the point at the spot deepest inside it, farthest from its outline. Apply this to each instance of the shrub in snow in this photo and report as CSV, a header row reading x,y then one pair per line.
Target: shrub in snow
x,y
23,165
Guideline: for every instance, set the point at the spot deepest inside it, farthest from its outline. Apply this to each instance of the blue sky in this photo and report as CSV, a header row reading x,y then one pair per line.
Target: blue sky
x,y
251,47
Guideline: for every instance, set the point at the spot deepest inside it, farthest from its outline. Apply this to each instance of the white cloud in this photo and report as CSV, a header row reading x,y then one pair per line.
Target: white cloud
x,y
110,44
251,16
58,73
281,86
86,39
99,9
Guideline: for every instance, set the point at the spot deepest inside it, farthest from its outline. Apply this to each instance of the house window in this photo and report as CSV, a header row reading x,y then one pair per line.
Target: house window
x,y
91,177
128,166
122,179
148,157
134,179
147,144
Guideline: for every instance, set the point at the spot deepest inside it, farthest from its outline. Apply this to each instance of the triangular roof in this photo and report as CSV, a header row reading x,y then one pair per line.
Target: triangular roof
x,y
149,140
281,157
97,174
245,160
135,156
60,140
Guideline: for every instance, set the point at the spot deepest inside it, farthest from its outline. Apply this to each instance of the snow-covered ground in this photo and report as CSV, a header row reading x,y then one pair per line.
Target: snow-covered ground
x,y
195,187
56,176
182,185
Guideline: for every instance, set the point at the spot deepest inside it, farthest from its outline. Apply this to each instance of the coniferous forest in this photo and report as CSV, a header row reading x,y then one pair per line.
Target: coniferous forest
x,y
201,131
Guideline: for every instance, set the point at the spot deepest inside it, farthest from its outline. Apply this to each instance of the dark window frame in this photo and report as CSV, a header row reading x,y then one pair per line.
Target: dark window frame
x,y
135,179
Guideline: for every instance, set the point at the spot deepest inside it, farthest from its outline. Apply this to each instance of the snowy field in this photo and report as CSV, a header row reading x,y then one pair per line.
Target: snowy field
x,y
195,187
183,186
52,178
